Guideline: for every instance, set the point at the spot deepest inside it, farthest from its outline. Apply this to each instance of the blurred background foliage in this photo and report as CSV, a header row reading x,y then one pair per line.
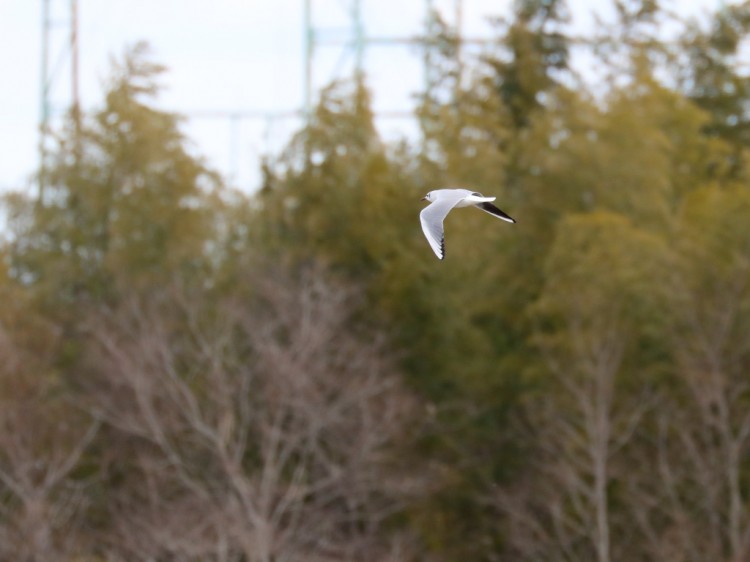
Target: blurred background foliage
x,y
194,373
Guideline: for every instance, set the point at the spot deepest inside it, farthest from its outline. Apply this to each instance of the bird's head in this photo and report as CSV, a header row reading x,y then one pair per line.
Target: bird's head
x,y
428,197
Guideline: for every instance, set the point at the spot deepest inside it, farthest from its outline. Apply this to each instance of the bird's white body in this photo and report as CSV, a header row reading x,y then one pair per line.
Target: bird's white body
x,y
463,197
441,203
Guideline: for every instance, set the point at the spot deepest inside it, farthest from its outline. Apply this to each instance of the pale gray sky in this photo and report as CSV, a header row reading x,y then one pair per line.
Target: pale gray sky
x,y
224,56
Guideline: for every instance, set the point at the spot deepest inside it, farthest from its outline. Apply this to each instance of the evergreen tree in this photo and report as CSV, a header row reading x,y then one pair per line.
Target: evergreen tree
x,y
126,202
537,51
716,81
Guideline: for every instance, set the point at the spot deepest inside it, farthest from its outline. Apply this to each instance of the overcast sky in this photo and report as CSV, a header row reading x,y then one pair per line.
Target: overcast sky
x,y
224,56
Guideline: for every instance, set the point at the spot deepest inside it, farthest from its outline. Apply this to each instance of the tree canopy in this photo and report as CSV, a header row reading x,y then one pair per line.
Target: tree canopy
x,y
193,372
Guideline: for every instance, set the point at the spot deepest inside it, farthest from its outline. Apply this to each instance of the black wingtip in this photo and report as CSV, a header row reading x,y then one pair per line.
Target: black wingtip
x,y
494,211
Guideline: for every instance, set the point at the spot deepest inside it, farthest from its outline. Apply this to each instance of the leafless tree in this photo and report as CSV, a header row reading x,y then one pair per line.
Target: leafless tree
x,y
697,506
588,329
561,511
258,428
42,438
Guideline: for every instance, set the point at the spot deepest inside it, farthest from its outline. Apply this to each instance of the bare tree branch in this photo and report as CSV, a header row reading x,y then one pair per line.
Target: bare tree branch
x,y
267,416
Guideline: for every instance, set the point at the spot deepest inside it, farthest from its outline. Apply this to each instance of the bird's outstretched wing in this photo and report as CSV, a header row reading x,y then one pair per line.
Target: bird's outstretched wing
x,y
494,211
432,217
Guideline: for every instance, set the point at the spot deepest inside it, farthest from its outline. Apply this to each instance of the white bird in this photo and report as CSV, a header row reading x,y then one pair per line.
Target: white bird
x,y
441,202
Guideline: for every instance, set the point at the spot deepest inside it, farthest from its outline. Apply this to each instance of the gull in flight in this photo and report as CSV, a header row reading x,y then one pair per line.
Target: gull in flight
x,y
441,202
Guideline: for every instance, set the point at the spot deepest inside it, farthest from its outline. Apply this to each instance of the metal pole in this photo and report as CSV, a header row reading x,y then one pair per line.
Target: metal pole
x,y
429,77
75,108
459,60
76,102
359,38
44,100
308,47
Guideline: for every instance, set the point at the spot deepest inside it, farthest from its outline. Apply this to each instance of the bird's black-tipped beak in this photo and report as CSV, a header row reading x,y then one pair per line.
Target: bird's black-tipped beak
x,y
423,198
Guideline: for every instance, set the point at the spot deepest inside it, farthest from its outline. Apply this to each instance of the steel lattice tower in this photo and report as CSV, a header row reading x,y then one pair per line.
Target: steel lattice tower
x,y
59,91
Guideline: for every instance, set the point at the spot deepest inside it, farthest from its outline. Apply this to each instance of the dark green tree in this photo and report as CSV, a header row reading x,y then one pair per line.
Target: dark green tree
x,y
716,82
537,51
126,201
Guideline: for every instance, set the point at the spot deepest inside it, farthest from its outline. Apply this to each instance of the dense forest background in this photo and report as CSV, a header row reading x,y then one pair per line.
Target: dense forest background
x,y
189,372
